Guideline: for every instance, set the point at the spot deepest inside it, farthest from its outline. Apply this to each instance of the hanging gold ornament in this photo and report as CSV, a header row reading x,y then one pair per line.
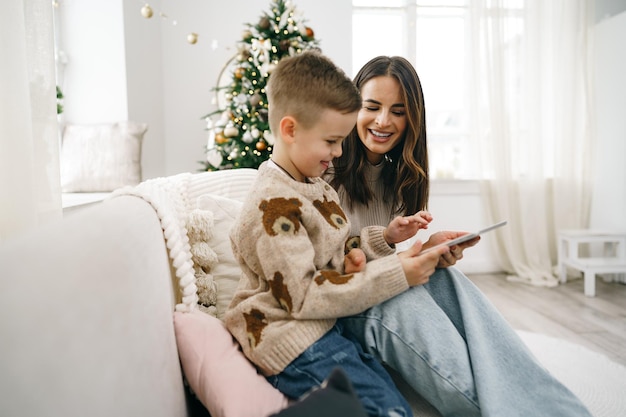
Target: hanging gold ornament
x,y
309,32
261,146
239,73
146,11
220,139
192,38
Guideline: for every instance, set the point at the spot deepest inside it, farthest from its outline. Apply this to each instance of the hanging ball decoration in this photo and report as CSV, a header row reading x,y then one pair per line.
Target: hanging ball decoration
x,y
231,131
146,11
246,34
261,146
255,99
220,139
284,45
192,38
309,32
239,73
264,23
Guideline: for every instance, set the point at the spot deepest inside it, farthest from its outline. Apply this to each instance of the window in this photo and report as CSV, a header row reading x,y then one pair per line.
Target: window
x,y
436,36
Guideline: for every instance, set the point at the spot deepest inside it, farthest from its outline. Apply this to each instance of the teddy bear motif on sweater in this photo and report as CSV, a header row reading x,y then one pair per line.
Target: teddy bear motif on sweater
x,y
282,216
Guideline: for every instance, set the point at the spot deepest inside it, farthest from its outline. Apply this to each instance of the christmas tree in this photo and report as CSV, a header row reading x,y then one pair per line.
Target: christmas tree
x,y
240,137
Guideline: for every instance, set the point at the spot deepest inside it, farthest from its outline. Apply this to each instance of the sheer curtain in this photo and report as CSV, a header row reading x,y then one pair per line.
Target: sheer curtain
x,y
532,120
30,191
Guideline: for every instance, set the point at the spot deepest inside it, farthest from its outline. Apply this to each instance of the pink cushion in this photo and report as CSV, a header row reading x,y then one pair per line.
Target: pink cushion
x,y
222,378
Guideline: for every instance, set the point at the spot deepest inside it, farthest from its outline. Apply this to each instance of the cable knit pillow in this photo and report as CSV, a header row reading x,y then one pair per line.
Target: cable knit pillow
x,y
101,158
226,272
224,381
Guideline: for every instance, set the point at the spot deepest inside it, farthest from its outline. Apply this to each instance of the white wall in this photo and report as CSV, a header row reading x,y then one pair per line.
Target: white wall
x,y
94,78
608,209
144,74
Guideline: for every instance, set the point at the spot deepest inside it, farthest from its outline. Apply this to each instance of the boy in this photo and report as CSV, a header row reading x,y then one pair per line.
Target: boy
x,y
290,240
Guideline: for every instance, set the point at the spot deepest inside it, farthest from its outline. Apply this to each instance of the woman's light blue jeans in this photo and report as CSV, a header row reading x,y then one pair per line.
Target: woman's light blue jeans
x,y
456,350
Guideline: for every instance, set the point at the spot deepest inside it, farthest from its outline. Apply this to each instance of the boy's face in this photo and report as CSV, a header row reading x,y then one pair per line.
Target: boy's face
x,y
313,149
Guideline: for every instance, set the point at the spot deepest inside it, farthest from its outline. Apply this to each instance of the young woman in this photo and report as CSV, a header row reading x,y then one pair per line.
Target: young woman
x,y
444,337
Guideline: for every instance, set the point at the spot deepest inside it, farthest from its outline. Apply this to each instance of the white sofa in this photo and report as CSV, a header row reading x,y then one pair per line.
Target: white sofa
x,y
86,307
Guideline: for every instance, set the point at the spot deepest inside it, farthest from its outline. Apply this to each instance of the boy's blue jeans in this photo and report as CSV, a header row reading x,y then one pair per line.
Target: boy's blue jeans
x,y
371,381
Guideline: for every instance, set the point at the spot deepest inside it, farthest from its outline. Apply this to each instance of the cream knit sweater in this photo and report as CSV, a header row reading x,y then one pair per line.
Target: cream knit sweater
x,y
378,211
290,240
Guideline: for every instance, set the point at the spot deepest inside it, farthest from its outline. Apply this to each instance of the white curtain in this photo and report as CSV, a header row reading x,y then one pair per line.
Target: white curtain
x,y
30,191
532,120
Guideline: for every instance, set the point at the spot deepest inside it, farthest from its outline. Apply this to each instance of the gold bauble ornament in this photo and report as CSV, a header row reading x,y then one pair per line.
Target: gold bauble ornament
x,y
239,73
309,32
192,38
146,11
261,146
220,139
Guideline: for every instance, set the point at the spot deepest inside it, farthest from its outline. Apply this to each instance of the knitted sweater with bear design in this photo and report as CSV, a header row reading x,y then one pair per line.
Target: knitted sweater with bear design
x,y
290,241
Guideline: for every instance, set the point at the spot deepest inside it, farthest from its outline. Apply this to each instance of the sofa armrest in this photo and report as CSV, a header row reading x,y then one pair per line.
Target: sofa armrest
x,y
86,317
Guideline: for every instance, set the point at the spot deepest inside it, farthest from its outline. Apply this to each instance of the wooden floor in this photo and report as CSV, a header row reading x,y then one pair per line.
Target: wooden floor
x,y
598,323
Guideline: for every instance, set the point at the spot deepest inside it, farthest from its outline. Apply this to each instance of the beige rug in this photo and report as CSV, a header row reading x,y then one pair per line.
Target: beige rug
x,y
599,382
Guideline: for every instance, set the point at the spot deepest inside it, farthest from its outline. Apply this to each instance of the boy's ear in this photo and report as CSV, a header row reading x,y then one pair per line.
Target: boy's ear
x,y
288,129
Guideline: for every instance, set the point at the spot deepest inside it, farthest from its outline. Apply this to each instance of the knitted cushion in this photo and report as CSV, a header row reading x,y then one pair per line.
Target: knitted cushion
x,y
226,272
174,198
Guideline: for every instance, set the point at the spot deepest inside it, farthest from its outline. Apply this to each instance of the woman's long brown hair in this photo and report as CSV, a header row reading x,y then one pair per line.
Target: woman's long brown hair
x,y
405,173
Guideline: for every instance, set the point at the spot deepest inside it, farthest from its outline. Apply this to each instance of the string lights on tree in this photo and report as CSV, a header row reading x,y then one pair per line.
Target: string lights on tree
x,y
240,137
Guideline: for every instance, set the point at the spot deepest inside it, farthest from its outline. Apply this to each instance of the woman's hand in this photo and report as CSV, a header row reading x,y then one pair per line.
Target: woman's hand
x,y
456,252
404,227
418,268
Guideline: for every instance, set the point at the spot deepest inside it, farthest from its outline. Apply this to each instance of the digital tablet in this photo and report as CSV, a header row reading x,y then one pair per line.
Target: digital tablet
x,y
466,237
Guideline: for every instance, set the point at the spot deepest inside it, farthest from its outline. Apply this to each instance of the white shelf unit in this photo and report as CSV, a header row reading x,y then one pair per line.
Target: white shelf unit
x,y
612,261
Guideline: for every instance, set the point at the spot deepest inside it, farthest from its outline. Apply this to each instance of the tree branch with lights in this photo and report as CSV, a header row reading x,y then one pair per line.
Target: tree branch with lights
x,y
239,133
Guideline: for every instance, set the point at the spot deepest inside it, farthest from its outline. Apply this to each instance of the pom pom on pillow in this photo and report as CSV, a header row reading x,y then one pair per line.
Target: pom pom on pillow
x,y
226,272
222,378
200,225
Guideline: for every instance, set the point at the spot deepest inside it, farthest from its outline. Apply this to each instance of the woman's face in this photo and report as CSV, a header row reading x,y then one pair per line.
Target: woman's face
x,y
382,119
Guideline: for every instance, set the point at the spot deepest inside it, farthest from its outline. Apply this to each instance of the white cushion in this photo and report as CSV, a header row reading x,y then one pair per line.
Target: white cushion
x,y
101,158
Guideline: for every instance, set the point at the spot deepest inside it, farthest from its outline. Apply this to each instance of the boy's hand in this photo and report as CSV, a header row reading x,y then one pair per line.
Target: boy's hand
x,y
354,261
418,268
404,227
456,252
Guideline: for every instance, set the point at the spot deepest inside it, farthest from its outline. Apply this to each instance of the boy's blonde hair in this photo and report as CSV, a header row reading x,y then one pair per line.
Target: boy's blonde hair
x,y
304,85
